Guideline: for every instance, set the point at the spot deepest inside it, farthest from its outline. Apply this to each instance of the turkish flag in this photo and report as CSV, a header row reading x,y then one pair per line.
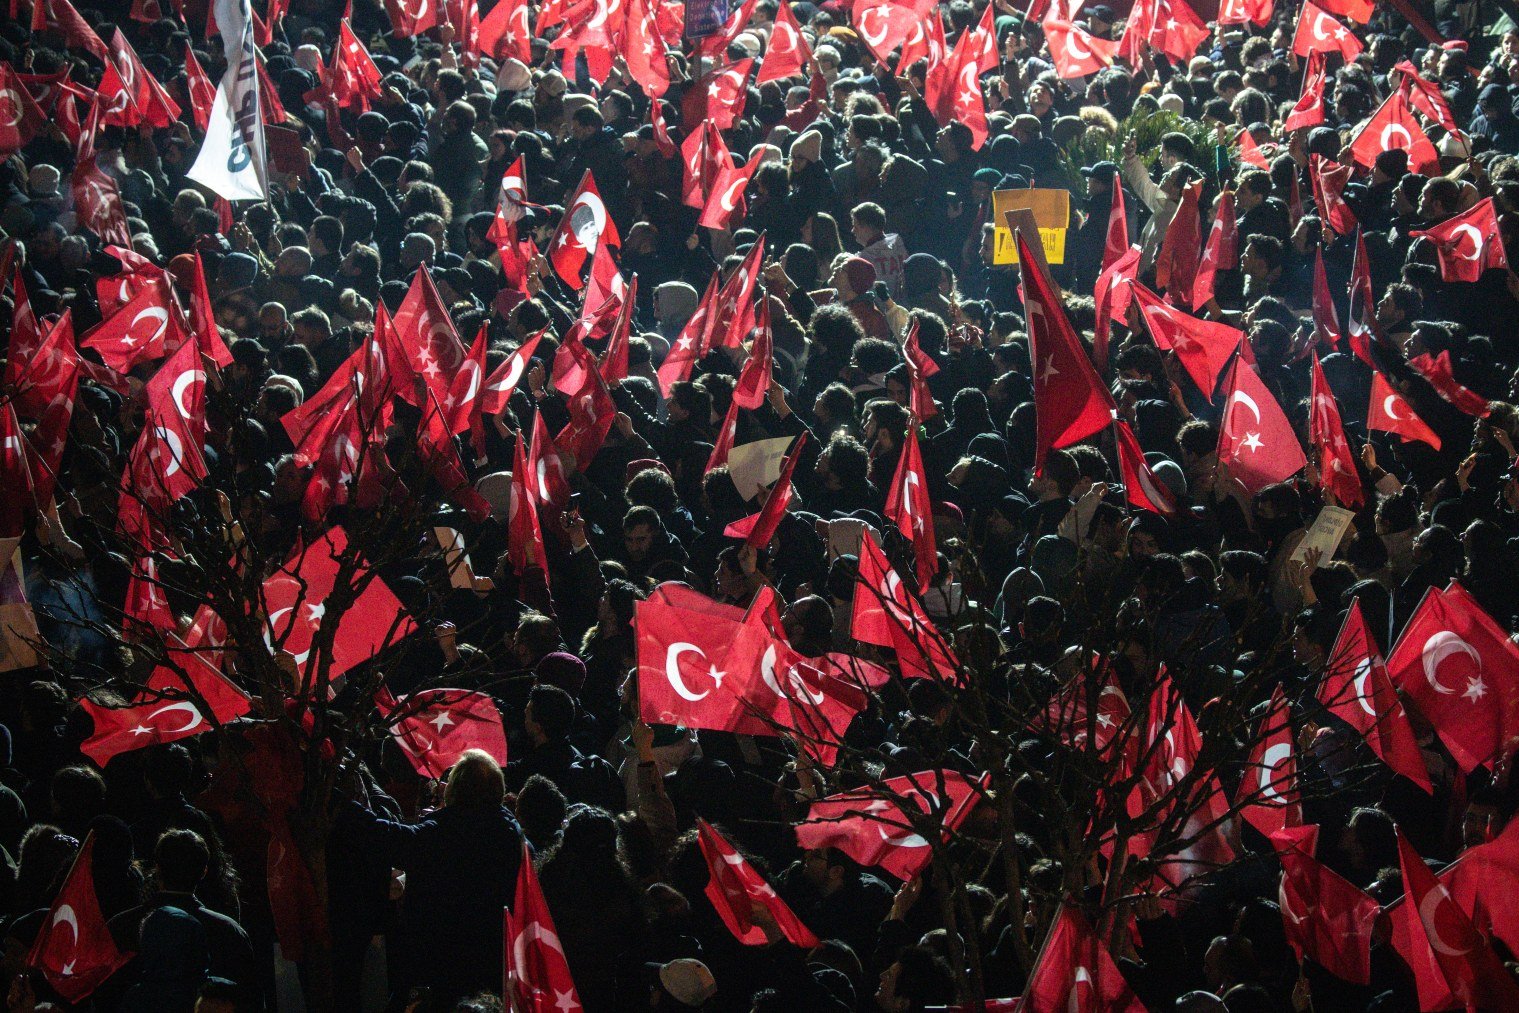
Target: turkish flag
x,y
684,658
886,614
592,413
614,360
727,432
295,607
1076,52
421,342
1140,486
1071,716
1450,658
925,40
1255,438
788,53
705,156
461,404
504,32
352,80
511,201
584,225
524,536
735,888
1220,253
132,95
1469,243
757,529
908,507
954,91
755,378
19,506
1337,470
97,203
116,290
1355,10
74,948
1116,240
1308,111
647,58
1326,319
201,321
202,91
146,607
1357,690
1202,346
1425,96
726,206
60,16
885,25
1438,371
1360,321
1268,796
1317,32
21,119
1070,401
1112,295
732,319
880,827
1075,971
1325,917
720,96
340,452
1390,413
176,403
1240,12
434,727
1394,128
537,973
662,138
1329,179
413,17
687,347
1462,957
1250,153
49,372
184,695
500,385
920,366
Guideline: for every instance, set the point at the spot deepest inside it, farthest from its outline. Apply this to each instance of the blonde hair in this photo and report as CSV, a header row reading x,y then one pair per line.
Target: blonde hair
x,y
475,779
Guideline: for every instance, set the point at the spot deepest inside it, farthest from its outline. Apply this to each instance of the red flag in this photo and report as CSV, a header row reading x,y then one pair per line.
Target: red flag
x,y
1325,916
538,975
1202,346
202,91
1393,128
60,16
1240,12
926,38
1170,27
1329,179
1437,370
500,385
1469,243
966,102
1357,689
920,366
22,118
1116,242
1317,32
1355,10
413,17
145,605
168,711
1075,971
504,32
755,378
295,598
1221,253
202,317
1268,794
1451,656
1249,152
1070,401
74,948
1390,413
1326,319
19,506
726,433
1255,438
788,54
644,50
1076,51
584,225
1337,470
1112,295
1424,95
735,888
732,319
592,413
614,360
726,206
1181,249
351,79
1308,111
696,669
757,529
705,156
687,348
1465,960
885,25
461,405
176,397
1140,486
1360,322
885,613
719,97
421,342
434,727
667,146
874,826
133,96
908,507
524,542
97,203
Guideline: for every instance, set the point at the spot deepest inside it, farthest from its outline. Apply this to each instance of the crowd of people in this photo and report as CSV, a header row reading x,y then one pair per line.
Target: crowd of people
x,y
574,317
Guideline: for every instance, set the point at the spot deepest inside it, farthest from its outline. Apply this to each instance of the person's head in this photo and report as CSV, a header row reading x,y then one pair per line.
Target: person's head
x,y
640,526
868,223
180,860
1440,198
586,122
1242,575
325,236
1487,811
917,979
78,795
681,984
1175,148
549,715
475,780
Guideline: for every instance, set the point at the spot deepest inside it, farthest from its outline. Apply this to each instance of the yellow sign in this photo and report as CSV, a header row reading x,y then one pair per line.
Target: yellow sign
x,y
1052,212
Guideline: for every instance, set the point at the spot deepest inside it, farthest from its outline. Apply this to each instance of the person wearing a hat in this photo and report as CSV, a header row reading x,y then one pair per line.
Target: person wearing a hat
x,y
1495,119
1084,251
852,282
682,984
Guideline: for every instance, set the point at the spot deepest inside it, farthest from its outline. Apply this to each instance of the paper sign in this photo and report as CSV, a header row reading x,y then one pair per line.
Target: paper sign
x,y
1052,215
18,626
460,573
1328,529
756,465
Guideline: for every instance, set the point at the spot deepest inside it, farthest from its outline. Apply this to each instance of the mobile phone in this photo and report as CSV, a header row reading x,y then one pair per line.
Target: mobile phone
x,y
574,507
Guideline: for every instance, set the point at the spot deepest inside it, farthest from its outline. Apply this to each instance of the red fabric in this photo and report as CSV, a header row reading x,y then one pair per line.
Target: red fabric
x,y
1390,413
726,205
500,385
920,366
735,888
1469,243
1393,128
643,49
1075,971
1357,690
755,378
1325,917
694,668
1437,370
1255,438
434,727
1140,486
1425,96
1308,111
413,17
1202,346
1458,667
1326,319
1220,253
886,614
885,25
421,343
1268,796
874,826
1250,153
202,91
1112,295
74,949
788,53
1070,401
1076,52
584,225
705,156
1360,321
757,529
23,119
19,506
908,507
1337,470
524,536
1240,12
536,969
504,32
1329,179
1318,32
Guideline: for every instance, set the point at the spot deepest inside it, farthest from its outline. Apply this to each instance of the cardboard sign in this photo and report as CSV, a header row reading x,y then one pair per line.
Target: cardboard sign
x,y
1325,534
460,573
1052,214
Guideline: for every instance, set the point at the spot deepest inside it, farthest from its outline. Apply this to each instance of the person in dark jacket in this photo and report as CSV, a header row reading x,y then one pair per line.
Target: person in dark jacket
x,y
548,718
461,869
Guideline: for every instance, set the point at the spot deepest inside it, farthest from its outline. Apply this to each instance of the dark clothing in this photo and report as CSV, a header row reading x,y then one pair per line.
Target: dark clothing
x,y
230,950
